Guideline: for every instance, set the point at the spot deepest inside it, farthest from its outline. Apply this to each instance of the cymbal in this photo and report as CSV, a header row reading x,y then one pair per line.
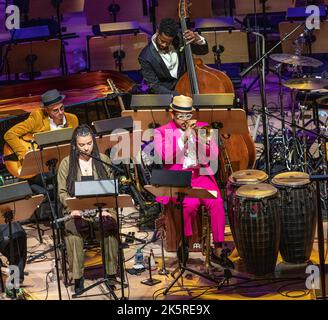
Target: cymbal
x,y
322,102
296,60
306,83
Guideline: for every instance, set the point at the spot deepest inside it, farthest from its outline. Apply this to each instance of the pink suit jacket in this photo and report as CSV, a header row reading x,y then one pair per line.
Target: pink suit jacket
x,y
166,147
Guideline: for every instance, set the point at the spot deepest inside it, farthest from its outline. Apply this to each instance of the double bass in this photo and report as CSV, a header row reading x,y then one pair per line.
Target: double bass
x,y
237,151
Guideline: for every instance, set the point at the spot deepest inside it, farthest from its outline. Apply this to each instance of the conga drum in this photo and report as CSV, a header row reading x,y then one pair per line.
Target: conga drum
x,y
257,227
236,180
298,215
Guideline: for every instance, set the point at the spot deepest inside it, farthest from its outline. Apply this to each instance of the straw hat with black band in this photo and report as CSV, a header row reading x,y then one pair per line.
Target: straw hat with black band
x,y
182,104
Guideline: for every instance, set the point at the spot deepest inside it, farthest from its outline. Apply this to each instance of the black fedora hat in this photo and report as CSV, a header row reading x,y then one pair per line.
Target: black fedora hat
x,y
51,97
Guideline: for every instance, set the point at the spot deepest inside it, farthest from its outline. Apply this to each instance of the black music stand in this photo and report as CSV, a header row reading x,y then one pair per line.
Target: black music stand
x,y
51,8
32,56
178,183
98,195
51,150
107,126
16,204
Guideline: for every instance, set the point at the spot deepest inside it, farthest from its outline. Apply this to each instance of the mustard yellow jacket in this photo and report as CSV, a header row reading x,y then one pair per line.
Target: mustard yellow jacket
x,y
38,121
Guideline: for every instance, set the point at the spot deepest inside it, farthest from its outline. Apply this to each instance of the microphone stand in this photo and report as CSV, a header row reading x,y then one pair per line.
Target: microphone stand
x,y
321,237
54,224
263,90
120,247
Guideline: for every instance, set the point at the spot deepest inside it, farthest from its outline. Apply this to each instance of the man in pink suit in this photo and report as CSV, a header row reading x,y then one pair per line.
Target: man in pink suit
x,y
179,147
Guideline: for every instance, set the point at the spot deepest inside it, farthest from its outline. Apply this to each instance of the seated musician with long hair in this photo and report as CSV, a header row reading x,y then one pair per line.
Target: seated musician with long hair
x,y
179,148
77,167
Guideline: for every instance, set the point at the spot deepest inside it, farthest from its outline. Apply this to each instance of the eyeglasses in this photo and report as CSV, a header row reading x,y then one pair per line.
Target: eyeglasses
x,y
183,116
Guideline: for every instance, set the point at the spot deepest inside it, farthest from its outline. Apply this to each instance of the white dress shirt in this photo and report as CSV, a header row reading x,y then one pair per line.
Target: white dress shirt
x,y
53,125
170,58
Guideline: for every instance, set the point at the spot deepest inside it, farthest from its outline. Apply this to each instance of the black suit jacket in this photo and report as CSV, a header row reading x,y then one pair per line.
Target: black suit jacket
x,y
155,72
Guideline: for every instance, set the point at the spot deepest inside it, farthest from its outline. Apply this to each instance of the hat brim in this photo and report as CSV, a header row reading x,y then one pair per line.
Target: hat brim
x,y
56,101
181,109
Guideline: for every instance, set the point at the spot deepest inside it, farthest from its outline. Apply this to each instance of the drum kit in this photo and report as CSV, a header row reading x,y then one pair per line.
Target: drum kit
x,y
266,218
294,149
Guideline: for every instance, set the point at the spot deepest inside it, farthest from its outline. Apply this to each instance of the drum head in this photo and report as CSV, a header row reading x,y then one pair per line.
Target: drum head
x,y
291,179
248,176
256,191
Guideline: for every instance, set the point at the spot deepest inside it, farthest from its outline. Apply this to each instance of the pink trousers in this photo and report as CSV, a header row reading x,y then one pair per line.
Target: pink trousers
x,y
191,207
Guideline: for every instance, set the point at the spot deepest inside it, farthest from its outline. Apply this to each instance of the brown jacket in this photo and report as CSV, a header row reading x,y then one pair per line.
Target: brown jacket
x,y
38,121
62,174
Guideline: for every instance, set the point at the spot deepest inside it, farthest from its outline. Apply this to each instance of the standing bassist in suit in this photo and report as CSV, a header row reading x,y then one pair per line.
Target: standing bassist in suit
x,y
162,60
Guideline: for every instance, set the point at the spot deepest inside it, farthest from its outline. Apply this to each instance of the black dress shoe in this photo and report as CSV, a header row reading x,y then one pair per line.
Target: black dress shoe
x,y
78,285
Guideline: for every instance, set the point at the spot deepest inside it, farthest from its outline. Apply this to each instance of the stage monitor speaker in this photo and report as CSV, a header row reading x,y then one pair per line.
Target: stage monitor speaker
x,y
45,55
247,7
98,11
199,9
319,45
234,46
105,52
45,9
